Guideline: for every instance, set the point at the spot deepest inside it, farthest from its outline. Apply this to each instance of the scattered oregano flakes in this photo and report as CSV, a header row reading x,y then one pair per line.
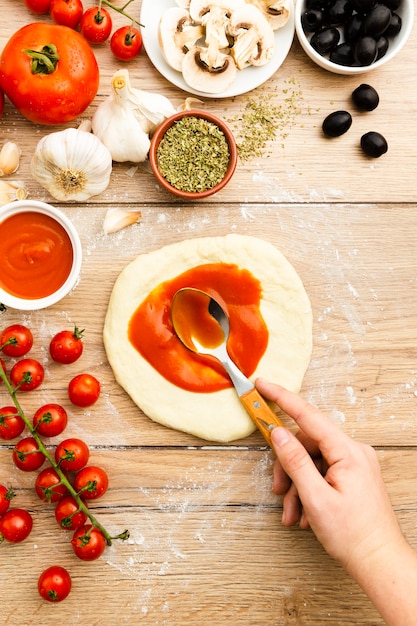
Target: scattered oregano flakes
x,y
261,120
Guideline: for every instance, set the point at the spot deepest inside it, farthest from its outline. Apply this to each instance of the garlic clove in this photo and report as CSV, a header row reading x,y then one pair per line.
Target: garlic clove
x,y
117,219
11,191
9,158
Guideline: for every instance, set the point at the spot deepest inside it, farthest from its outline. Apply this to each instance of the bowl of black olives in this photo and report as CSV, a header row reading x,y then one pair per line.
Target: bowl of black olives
x,y
353,36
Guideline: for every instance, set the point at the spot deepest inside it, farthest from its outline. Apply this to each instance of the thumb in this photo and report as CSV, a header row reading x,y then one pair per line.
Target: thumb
x,y
296,463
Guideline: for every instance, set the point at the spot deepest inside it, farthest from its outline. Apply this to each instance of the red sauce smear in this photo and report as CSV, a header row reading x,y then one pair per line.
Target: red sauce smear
x,y
152,334
36,255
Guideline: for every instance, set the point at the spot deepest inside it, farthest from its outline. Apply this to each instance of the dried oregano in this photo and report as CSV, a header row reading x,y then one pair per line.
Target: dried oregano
x,y
193,154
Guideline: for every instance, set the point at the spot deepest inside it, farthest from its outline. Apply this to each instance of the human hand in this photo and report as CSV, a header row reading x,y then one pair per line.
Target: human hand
x,y
330,483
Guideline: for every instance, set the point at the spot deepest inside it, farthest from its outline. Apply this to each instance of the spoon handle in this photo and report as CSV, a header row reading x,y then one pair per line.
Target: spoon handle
x,y
265,419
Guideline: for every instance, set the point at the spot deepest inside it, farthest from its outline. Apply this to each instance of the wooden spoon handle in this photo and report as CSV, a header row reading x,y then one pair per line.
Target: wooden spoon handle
x,y
264,418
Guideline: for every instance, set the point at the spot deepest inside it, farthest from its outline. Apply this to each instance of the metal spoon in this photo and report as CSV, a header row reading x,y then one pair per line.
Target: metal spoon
x,y
202,325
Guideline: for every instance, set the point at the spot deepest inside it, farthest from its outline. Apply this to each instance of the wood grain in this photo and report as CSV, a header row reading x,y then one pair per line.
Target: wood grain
x,y
206,544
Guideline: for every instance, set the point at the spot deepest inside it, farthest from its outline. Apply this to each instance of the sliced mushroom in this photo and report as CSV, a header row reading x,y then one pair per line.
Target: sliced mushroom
x,y
208,78
254,40
276,12
177,34
214,16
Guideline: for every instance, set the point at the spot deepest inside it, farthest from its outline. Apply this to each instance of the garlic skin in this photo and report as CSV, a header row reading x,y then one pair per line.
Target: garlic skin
x,y
9,158
124,120
72,164
11,191
117,219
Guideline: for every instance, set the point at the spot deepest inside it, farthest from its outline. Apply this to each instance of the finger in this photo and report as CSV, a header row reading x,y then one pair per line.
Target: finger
x,y
328,437
292,512
298,465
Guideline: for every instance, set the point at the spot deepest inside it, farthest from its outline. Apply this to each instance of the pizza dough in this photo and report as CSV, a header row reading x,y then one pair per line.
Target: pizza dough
x,y
285,308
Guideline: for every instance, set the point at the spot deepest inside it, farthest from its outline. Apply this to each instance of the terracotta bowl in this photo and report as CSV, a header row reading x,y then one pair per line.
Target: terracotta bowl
x,y
158,136
18,250
405,11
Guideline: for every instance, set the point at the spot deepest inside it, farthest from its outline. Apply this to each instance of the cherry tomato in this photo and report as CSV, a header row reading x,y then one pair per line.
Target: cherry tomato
x,y
68,514
15,525
91,482
27,456
38,6
66,346
96,25
50,420
126,43
66,12
72,454
16,340
88,543
84,390
11,424
48,486
54,584
6,494
27,374
55,91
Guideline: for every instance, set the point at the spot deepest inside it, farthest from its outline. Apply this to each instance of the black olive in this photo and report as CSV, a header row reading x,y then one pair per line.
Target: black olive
x,y
382,45
374,144
365,50
337,12
365,97
312,20
342,55
363,6
353,28
337,123
377,21
391,4
325,39
394,26
315,4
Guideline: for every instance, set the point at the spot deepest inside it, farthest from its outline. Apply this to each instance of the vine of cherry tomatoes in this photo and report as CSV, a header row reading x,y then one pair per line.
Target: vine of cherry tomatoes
x,y
95,24
68,481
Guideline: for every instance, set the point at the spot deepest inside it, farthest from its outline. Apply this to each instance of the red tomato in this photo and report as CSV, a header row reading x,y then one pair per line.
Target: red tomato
x,y
88,543
49,98
27,456
38,6
50,420
66,346
126,43
16,340
96,25
15,525
68,514
72,454
66,12
91,482
11,423
84,390
6,494
54,584
27,374
48,486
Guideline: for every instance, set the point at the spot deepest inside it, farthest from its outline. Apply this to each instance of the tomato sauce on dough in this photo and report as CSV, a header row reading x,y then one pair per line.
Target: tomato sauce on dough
x,y
151,332
36,255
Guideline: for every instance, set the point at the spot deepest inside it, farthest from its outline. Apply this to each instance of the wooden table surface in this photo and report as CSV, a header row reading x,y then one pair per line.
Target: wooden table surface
x,y
206,542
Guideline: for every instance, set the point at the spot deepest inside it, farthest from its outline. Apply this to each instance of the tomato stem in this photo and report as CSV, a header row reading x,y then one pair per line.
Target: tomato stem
x,y
121,10
64,480
45,61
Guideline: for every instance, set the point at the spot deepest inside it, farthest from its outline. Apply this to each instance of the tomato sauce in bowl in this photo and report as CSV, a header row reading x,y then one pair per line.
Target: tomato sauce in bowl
x,y
40,255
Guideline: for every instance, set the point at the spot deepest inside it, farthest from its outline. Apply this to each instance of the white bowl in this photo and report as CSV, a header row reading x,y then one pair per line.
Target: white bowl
x,y
33,206
406,12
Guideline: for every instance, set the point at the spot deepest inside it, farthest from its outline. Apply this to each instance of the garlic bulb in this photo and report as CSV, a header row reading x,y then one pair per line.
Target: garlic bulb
x,y
72,164
124,119
11,191
9,158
